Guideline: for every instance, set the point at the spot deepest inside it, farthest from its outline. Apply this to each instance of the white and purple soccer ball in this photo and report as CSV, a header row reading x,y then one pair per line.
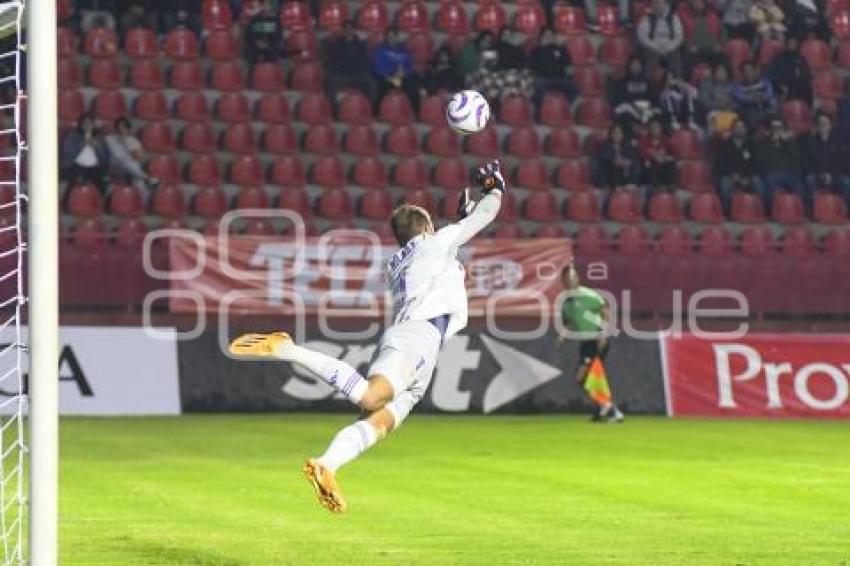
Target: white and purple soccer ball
x,y
467,112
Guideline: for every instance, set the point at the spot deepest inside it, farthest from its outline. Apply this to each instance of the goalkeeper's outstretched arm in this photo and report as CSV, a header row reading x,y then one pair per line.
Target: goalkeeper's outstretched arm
x,y
476,216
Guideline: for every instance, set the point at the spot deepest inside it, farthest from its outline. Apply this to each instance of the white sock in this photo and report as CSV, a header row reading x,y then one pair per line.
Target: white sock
x,y
348,444
331,370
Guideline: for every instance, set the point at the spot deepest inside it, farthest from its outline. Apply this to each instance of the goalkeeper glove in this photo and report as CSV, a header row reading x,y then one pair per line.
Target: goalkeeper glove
x,y
489,178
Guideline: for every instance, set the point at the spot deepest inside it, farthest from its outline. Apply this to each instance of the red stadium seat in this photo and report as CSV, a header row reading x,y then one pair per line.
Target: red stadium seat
x,y
508,210
332,14
109,105
451,17
835,6
633,239
798,241
592,239
700,73
412,16
574,176
151,106
66,42
516,111
529,19
442,141
674,240
181,44
303,42
370,173
288,171
451,174
335,204
69,75
550,231
192,107
563,143
395,108
421,47
769,49
840,24
583,207
616,51
798,115
490,17
140,43
829,209
70,107
788,209
258,227
508,231
101,43
664,207
432,110
555,110
220,45
595,113
411,173
228,76
372,16
232,107
355,108
205,170
297,200
89,233
314,109
146,74
532,174
828,85
198,138
186,75
541,206
267,77
695,176
321,139
757,241
609,21
125,200
484,144
209,202
569,20
685,144
216,14
581,51
295,15
165,168
131,233
590,81
307,77
836,242
376,205
817,53
715,240
738,51
239,139
105,73
362,141
329,171
421,197
272,109
747,208
157,137
251,197
247,171
84,200
280,139
624,206
524,142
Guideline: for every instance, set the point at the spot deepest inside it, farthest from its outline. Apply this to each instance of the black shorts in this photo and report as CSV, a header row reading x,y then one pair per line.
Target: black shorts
x,y
589,349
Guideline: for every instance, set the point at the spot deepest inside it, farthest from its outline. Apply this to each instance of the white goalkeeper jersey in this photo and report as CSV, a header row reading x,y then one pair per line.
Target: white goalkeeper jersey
x,y
425,276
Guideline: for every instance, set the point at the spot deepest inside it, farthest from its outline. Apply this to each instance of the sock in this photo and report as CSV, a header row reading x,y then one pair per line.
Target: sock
x,y
348,444
331,370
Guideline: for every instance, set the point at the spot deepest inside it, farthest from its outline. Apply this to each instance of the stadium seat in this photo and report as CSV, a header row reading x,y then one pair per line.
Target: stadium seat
x,y
817,53
279,139
798,241
239,139
125,200
590,81
451,17
181,44
574,176
376,205
267,77
839,23
592,240
70,107
747,208
69,75
296,200
246,171
797,115
507,212
295,15
314,109
131,233
836,242
272,109
89,233
451,174
674,240
321,139
757,241
583,207
165,168
581,51
769,49
411,173
524,142
508,231
157,137
624,206
551,231
555,110
198,138
412,16
101,43
616,51
516,111
490,16
695,176
220,45
829,209
288,171
146,74
216,14
109,105
442,141
228,76
355,108
328,171
209,202
484,144
403,141
529,19
664,207
395,108
532,174
303,42
835,6
432,110
362,141
232,107
335,204
192,107
788,209
251,197
541,206
151,106
685,144
738,51
715,240
700,73
563,143
370,173
84,200
66,42
421,47
372,16
332,14
609,20
205,170
307,76
595,113
569,20
420,197
186,76
633,239
258,227
828,85
105,73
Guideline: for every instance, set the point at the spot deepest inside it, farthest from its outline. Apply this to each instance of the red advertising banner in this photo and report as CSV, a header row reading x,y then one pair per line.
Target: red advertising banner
x,y
343,271
758,375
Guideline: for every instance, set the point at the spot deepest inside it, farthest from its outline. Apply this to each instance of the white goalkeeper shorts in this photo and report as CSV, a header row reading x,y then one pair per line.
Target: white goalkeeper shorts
x,y
407,355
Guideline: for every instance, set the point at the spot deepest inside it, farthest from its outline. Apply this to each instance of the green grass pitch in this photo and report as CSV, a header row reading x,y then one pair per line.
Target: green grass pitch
x,y
457,490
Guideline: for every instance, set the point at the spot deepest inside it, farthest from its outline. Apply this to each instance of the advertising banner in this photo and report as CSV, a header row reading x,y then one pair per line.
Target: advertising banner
x,y
758,375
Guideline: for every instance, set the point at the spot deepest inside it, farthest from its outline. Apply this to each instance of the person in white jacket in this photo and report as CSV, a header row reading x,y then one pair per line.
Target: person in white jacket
x,y
660,35
430,305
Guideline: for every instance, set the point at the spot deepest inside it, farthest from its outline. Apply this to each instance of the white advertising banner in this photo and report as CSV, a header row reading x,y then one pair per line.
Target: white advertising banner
x,y
109,370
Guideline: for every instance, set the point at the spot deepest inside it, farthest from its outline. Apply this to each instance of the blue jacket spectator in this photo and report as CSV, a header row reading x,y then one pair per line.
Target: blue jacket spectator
x,y
392,65
754,95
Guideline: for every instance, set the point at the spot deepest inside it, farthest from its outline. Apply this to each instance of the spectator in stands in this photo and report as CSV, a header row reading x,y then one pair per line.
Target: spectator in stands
x,y
126,155
778,161
392,65
496,83
715,92
705,35
660,36
617,162
85,156
182,14
735,164
551,65
736,18
346,64
469,59
591,7
790,74
441,73
134,14
659,165
754,95
826,160
263,36
768,19
635,101
678,102
509,45
807,18
96,14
